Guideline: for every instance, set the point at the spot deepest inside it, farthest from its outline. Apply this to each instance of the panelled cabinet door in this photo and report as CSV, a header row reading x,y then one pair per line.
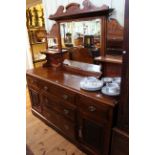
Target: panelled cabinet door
x,y
91,135
35,100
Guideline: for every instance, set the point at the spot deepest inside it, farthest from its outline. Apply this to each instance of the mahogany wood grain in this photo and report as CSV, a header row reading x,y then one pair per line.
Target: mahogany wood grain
x,y
103,36
120,142
59,99
123,116
120,138
89,10
110,59
70,82
111,65
42,139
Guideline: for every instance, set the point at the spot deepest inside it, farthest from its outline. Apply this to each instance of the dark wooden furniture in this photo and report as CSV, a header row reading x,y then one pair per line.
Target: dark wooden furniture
x,y
85,118
114,37
120,134
90,120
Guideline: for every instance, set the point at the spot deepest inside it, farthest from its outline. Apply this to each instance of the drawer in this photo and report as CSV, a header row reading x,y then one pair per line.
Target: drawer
x,y
68,111
93,109
64,125
60,92
32,82
51,116
67,127
50,103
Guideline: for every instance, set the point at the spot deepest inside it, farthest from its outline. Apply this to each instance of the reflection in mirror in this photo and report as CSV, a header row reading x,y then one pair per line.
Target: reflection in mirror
x,y
81,39
52,37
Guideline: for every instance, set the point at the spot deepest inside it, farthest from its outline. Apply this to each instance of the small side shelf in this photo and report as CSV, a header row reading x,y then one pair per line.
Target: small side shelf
x,y
38,60
110,59
36,43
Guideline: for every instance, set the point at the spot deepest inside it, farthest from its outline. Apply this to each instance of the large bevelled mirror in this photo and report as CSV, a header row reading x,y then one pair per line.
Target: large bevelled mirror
x,y
82,39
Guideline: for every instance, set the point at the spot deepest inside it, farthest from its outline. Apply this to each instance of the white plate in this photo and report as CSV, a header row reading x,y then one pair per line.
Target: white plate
x,y
105,92
91,89
90,85
107,79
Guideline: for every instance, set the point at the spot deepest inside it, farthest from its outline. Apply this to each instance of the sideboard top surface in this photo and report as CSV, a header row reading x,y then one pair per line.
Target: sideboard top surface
x,y
71,82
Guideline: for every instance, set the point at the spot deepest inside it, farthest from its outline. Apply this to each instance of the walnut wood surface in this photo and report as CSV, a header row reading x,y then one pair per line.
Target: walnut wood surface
x,y
71,82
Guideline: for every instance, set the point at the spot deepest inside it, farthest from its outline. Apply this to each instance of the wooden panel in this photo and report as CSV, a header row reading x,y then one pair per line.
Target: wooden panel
x,y
120,143
112,70
35,100
93,141
32,82
123,114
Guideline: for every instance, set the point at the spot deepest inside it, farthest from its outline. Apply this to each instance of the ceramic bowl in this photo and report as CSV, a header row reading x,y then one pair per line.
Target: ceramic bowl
x,y
117,80
112,87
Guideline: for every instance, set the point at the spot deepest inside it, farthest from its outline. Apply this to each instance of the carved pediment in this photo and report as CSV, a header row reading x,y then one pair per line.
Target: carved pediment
x,y
74,11
115,30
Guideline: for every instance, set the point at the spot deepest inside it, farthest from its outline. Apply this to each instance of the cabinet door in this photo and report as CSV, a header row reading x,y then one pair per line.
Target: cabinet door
x,y
91,135
120,142
35,100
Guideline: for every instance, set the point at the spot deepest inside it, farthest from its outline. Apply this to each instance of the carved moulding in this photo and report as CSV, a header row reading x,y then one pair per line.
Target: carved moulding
x,y
73,11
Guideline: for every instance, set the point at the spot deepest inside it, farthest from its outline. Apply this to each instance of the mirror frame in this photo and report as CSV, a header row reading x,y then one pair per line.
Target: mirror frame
x,y
73,12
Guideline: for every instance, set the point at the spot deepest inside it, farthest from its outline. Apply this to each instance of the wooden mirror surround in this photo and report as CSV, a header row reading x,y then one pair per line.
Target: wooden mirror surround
x,y
73,13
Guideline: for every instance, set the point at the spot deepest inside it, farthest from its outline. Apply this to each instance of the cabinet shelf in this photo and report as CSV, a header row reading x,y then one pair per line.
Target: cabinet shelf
x,y
38,60
110,59
36,43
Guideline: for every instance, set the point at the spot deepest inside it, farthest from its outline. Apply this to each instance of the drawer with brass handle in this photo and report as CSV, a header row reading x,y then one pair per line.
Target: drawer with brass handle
x,y
67,127
67,111
50,103
97,112
61,93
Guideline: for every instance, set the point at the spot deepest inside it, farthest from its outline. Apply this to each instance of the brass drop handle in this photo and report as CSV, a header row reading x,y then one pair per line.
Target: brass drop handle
x,y
45,88
80,132
65,97
91,108
66,111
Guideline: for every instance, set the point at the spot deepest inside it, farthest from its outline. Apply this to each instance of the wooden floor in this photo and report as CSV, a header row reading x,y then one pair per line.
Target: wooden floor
x,y
42,140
